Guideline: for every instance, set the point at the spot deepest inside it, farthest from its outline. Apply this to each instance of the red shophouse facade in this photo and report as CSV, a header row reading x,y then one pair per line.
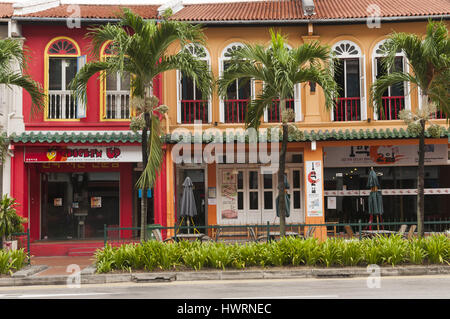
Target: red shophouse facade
x,y
71,172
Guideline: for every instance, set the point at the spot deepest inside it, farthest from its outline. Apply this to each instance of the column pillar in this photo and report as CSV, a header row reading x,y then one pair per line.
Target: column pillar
x,y
314,189
170,186
126,198
312,109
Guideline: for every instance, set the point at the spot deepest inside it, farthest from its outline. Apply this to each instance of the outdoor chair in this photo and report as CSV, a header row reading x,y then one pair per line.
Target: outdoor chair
x,y
158,236
331,227
411,231
402,230
349,231
310,232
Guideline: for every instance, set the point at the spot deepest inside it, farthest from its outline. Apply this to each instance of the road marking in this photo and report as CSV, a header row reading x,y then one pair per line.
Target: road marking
x,y
287,297
56,295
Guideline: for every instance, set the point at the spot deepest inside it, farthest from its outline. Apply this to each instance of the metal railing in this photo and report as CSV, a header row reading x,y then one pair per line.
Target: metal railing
x,y
347,109
235,110
392,105
23,241
117,105
266,232
61,105
274,113
194,110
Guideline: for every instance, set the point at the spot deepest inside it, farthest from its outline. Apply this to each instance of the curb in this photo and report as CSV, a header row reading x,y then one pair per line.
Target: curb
x,y
27,276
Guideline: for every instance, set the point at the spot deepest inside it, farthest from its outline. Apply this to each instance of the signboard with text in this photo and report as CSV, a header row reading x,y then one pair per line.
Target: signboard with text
x,y
83,154
385,155
314,186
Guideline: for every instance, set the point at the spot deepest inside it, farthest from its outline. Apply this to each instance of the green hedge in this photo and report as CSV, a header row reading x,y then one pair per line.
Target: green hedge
x,y
288,251
12,260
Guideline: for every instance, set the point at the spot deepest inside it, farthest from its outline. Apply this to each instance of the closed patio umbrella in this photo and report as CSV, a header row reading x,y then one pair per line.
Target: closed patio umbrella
x,y
188,207
287,198
375,198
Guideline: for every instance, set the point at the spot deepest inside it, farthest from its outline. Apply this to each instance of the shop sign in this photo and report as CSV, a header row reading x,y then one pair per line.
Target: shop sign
x,y
389,192
229,195
84,154
314,189
384,155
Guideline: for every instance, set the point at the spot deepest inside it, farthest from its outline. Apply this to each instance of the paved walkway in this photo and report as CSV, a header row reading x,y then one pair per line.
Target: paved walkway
x,y
58,265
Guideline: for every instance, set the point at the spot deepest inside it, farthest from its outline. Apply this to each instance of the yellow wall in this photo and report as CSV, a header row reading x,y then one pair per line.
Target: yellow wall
x,y
219,37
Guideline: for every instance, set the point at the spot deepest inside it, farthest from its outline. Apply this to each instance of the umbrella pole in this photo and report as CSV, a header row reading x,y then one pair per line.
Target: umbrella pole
x,y
188,224
378,225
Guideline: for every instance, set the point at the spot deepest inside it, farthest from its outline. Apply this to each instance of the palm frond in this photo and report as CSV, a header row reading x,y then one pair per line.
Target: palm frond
x,y
155,156
38,98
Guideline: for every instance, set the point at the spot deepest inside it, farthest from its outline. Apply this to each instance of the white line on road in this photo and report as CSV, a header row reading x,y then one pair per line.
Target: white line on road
x,y
287,297
56,295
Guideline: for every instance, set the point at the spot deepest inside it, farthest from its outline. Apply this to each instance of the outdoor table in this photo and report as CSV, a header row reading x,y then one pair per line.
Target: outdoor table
x,y
195,236
372,233
274,234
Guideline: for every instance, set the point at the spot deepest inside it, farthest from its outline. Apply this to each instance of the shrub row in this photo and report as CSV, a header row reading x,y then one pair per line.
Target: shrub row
x,y
12,260
392,250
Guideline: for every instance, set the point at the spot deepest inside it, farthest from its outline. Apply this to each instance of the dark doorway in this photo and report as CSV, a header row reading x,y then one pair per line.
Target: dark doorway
x,y
197,177
77,205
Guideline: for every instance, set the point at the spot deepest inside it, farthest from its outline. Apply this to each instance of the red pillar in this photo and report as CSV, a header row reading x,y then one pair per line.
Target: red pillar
x,y
160,196
126,198
19,180
35,202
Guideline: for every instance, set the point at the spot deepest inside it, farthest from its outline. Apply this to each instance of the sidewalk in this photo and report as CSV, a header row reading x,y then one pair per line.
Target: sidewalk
x,y
59,265
53,271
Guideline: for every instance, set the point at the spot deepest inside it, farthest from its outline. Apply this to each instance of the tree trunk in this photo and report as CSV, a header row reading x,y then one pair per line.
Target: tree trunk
x,y
421,182
281,173
144,205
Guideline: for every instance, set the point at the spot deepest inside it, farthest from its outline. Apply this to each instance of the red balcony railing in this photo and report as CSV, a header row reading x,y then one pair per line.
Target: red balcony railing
x,y
392,105
235,110
194,110
347,109
274,115
439,115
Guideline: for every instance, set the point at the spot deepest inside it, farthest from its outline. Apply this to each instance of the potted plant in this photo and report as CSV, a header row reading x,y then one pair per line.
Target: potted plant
x,y
10,222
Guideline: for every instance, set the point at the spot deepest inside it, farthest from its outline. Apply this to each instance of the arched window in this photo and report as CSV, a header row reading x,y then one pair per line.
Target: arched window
x,y
62,61
273,114
396,97
115,91
350,76
234,108
191,106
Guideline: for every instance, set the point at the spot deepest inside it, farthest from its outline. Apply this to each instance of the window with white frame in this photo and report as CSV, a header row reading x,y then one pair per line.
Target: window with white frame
x,y
234,107
255,194
350,77
396,97
117,92
191,105
64,61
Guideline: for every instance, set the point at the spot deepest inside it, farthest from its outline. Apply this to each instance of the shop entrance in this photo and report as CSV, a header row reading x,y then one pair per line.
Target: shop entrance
x,y
77,205
197,176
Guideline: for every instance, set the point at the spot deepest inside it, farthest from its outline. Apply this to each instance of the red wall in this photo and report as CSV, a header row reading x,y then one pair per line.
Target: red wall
x,y
37,38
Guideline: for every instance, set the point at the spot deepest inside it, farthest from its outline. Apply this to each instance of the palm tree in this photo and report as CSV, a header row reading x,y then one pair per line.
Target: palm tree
x,y
12,55
429,59
141,49
279,69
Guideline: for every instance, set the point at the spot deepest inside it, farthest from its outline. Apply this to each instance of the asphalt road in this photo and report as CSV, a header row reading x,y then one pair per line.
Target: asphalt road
x,y
405,287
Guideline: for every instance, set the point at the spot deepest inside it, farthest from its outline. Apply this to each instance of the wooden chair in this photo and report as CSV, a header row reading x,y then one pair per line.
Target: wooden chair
x,y
331,229
158,236
402,229
411,231
310,232
349,231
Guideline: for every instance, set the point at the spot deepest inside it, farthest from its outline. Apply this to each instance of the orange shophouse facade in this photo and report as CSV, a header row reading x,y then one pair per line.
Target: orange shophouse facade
x,y
338,146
